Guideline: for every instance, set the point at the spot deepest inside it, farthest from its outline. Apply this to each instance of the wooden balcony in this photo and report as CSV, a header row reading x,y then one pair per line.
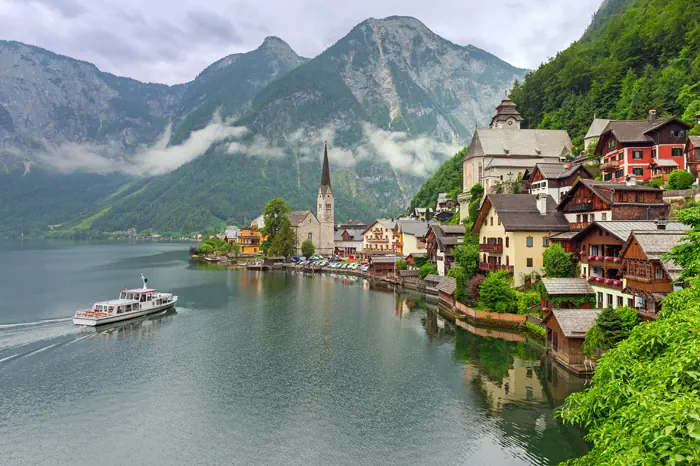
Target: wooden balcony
x,y
494,248
610,166
490,267
611,283
648,285
582,207
607,262
579,225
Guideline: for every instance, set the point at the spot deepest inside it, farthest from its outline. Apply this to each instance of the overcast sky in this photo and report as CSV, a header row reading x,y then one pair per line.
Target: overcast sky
x,y
171,41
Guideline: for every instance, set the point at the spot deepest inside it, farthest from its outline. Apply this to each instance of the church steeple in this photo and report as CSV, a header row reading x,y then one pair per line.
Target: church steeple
x,y
326,176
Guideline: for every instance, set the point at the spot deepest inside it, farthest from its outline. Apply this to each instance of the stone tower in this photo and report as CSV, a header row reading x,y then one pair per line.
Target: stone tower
x,y
325,212
507,115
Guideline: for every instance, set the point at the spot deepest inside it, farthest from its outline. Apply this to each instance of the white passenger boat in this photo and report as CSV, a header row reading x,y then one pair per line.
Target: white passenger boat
x,y
131,304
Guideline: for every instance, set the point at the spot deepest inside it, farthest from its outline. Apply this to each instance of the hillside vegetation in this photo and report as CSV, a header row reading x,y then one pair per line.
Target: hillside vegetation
x,y
636,55
448,179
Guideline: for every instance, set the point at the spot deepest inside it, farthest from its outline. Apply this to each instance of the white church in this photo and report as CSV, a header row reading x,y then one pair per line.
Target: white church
x,y
318,228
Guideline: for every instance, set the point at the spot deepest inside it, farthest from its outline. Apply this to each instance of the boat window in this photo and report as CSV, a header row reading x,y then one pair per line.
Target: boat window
x,y
122,295
149,297
119,310
143,298
127,308
130,296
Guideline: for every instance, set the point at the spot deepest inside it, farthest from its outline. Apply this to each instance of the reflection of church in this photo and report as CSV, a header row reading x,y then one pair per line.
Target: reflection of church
x,y
318,228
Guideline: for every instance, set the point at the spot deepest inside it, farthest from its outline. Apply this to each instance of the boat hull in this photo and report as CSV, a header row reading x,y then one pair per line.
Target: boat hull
x,y
122,317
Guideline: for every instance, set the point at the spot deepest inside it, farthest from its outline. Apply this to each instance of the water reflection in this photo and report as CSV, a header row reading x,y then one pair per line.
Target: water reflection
x,y
132,328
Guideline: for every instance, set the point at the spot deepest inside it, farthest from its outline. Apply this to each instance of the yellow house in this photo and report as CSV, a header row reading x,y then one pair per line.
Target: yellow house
x,y
249,238
410,236
513,232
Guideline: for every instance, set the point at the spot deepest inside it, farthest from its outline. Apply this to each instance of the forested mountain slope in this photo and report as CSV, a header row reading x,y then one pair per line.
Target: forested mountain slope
x,y
448,179
637,55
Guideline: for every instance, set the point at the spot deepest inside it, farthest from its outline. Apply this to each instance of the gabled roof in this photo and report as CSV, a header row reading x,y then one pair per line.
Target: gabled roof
x,y
298,216
636,131
518,212
556,171
694,140
654,244
448,230
417,228
567,286
574,322
447,285
501,142
355,234
408,273
384,259
604,189
433,278
385,222
622,229
596,129
664,163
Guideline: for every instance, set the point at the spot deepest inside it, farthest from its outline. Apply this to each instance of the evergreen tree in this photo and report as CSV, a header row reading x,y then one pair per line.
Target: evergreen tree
x,y
307,248
610,326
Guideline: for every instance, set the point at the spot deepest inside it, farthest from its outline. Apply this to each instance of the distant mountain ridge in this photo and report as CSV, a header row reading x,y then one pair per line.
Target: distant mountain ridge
x,y
387,94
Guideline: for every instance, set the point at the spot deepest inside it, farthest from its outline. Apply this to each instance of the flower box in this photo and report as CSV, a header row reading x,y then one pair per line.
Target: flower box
x,y
617,260
583,275
608,258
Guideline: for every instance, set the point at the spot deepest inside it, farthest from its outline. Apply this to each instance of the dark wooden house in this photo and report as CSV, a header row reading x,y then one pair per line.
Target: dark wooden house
x,y
566,330
382,265
692,154
556,179
649,277
566,293
589,201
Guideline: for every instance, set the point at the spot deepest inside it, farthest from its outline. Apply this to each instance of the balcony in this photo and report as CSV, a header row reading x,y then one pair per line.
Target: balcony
x,y
602,261
610,166
494,248
490,267
579,225
611,283
582,207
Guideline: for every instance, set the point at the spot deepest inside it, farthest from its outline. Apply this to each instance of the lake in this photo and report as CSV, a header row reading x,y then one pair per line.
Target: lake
x,y
257,368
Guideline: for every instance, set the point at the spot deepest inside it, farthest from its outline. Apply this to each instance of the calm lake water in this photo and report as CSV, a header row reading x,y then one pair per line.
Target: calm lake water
x,y
274,369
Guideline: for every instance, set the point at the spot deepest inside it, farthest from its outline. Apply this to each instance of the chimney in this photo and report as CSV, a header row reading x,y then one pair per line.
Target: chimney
x,y
631,179
660,224
569,164
652,116
542,203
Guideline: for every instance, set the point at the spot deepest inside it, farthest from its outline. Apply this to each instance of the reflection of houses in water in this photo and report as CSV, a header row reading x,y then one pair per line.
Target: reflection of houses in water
x,y
559,382
521,384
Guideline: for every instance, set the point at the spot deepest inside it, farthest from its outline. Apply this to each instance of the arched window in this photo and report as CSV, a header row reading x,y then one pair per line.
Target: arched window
x,y
491,221
507,242
507,261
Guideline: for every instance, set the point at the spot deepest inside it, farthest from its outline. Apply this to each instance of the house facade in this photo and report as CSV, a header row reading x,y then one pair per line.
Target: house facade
x,y
504,151
440,243
589,201
556,179
692,154
348,239
379,237
411,236
305,226
514,232
566,330
628,147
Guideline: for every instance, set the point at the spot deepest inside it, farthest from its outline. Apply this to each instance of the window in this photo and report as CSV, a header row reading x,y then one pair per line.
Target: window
x,y
507,261
578,218
600,298
639,171
636,154
328,206
591,218
545,242
600,232
620,301
610,299
507,242
659,273
584,272
499,220
653,153
529,262
607,177
310,236
677,152
630,302
529,241
621,156
604,216
619,174
491,221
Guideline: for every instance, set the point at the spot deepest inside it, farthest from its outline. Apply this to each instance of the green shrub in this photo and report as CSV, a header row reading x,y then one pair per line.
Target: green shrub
x,y
426,269
680,179
401,265
536,329
527,300
497,295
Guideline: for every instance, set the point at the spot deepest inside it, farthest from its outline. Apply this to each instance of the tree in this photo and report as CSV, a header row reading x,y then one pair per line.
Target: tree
x,y
275,214
557,263
497,295
467,257
629,319
680,179
427,269
475,194
687,251
610,326
401,265
475,287
307,248
284,244
527,302
458,275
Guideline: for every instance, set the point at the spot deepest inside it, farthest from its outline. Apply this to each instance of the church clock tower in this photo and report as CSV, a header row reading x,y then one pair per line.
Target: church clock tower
x,y
325,212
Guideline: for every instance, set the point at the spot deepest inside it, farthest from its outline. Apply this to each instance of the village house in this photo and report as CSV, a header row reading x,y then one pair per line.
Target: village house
x,y
379,237
250,239
440,244
692,153
566,330
444,203
348,238
383,265
231,234
319,228
590,140
411,236
649,277
417,257
446,290
566,293
423,213
628,147
504,151
514,232
589,201
600,250
556,179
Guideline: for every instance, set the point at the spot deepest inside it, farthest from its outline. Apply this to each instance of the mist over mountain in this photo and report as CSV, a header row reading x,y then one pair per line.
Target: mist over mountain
x,y
393,99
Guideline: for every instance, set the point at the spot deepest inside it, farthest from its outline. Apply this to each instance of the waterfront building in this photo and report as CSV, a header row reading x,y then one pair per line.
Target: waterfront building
x,y
628,147
589,201
381,265
440,243
504,151
566,330
319,228
348,238
446,290
514,231
566,293
556,179
379,237
649,277
411,236
600,250
250,239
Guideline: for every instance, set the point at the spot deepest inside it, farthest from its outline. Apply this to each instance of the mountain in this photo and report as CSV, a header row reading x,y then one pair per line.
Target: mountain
x,y
394,99
448,179
635,56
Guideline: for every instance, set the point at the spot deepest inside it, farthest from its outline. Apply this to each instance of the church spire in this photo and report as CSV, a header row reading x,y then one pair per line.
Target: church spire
x,y
326,176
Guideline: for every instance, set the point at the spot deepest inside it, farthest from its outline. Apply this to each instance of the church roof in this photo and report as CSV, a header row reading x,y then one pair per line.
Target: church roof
x,y
326,175
298,216
519,143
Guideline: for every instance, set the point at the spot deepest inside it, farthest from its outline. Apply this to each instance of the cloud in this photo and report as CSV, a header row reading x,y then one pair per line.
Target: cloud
x,y
175,40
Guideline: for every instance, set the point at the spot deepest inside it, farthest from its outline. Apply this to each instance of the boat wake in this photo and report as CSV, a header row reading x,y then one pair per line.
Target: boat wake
x,y
14,336
32,324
